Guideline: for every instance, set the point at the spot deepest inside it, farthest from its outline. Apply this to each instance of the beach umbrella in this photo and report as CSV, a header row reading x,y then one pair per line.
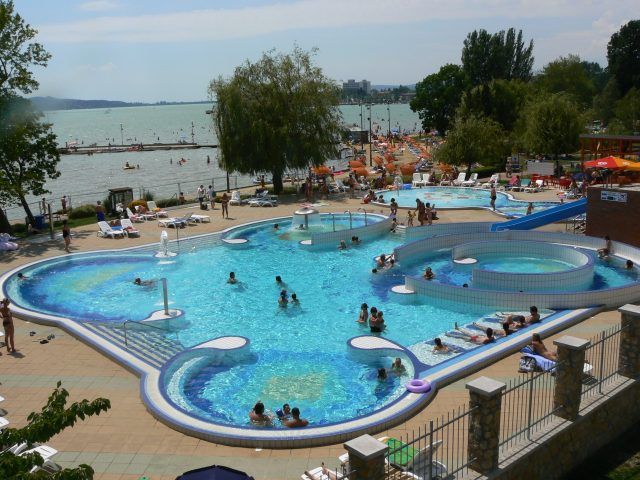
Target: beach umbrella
x,y
362,172
322,170
612,163
356,164
214,472
390,167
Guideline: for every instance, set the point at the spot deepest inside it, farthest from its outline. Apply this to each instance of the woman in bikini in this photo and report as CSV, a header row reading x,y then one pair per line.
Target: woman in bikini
x,y
540,348
7,323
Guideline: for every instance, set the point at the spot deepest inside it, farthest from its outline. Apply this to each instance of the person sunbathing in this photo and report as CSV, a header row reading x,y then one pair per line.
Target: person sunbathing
x,y
507,328
473,337
538,346
533,317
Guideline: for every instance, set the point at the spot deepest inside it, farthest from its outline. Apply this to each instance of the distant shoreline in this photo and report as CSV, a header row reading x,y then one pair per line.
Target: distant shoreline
x,y
47,104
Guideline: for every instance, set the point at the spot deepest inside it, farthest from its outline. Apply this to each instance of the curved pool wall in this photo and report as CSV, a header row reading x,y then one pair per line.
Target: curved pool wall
x,y
493,298
579,277
393,414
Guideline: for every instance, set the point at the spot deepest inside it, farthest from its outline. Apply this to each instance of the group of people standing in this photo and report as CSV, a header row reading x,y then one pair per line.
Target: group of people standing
x,y
374,318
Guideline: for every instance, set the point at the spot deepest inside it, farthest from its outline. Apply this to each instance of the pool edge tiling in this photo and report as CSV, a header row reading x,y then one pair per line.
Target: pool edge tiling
x,y
399,410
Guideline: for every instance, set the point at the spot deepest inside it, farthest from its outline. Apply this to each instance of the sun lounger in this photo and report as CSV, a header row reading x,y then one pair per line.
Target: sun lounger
x,y
459,181
107,231
235,198
472,181
524,184
176,222
535,187
128,228
493,181
426,179
154,208
316,474
417,180
134,217
201,218
263,199
3,423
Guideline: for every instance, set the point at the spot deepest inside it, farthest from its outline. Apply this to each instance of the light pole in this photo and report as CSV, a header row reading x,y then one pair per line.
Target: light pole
x,y
389,120
370,138
193,136
361,127
121,135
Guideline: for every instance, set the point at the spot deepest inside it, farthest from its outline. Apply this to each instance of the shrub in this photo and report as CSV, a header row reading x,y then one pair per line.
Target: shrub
x,y
148,195
135,203
166,202
83,211
484,172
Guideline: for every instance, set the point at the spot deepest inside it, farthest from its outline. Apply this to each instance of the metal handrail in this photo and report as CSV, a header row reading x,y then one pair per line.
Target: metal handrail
x,y
350,219
365,215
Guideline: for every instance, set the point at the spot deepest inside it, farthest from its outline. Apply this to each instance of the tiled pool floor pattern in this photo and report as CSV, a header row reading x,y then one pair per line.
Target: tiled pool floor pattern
x,y
128,442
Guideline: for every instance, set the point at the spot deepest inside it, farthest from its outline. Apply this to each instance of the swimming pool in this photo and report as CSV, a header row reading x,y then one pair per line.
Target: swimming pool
x,y
461,197
302,355
299,352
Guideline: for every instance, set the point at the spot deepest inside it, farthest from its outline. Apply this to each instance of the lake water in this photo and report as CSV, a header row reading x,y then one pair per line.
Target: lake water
x,y
87,179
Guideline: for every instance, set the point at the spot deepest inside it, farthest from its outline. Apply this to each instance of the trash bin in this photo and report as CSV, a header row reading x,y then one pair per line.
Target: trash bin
x,y
40,222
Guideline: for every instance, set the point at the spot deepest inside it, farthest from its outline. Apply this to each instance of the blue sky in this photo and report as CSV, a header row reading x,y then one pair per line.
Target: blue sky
x,y
144,50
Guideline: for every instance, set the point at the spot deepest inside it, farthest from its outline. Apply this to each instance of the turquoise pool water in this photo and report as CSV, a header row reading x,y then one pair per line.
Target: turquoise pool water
x,y
299,353
460,197
609,273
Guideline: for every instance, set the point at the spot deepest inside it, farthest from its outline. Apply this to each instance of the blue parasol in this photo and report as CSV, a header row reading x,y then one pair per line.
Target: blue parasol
x,y
214,472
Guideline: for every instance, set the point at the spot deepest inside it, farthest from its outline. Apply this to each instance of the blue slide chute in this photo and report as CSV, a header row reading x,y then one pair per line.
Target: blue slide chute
x,y
544,217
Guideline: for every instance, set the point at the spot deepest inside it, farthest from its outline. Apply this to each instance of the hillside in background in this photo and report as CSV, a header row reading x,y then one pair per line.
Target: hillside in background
x,y
52,103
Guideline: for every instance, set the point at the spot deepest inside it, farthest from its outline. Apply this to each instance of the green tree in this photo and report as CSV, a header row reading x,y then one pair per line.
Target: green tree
x,y
276,114
603,103
54,417
598,75
473,139
627,112
567,75
438,96
623,54
552,124
502,55
28,152
499,100
17,54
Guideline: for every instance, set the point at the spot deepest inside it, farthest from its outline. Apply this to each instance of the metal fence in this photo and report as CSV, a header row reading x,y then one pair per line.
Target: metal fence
x,y
527,406
437,452
601,362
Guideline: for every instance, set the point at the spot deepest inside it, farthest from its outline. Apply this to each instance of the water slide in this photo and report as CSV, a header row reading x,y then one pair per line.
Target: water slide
x,y
544,217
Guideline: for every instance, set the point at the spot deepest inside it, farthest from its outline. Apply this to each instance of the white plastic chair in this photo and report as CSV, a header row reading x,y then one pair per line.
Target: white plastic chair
x,y
134,217
472,181
128,228
417,180
154,208
461,176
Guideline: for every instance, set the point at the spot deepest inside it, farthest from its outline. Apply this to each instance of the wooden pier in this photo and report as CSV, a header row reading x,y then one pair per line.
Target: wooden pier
x,y
138,147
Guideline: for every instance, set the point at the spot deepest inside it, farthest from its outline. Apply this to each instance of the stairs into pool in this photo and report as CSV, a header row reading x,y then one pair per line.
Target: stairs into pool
x,y
150,344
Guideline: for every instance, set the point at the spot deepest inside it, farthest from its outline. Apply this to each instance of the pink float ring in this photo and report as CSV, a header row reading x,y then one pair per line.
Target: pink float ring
x,y
418,386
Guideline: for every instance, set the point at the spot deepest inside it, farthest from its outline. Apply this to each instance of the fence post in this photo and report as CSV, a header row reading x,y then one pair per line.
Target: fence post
x,y
366,458
569,372
629,356
485,401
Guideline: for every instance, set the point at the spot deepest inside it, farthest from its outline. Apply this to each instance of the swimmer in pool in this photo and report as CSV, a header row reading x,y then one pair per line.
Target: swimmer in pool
x,y
439,346
284,298
144,283
232,278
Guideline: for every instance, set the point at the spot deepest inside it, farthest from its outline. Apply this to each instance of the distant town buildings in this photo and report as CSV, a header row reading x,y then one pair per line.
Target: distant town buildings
x,y
353,89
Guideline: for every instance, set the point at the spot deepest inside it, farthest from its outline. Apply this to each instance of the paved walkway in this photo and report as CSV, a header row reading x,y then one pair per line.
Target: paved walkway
x,y
127,442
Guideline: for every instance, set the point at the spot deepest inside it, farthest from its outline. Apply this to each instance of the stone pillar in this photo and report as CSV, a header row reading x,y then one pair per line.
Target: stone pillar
x,y
366,458
485,400
629,356
569,372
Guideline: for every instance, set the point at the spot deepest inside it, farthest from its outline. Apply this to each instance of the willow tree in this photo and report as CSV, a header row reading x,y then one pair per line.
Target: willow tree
x,y
276,114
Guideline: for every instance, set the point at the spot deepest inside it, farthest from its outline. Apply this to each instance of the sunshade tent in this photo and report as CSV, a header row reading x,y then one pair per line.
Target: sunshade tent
x,y
214,472
612,163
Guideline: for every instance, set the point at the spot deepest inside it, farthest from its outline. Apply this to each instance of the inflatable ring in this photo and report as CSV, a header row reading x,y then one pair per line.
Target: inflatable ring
x,y
418,386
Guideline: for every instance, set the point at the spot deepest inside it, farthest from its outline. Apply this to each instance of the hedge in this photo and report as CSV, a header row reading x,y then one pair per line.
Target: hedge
x,y
83,211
